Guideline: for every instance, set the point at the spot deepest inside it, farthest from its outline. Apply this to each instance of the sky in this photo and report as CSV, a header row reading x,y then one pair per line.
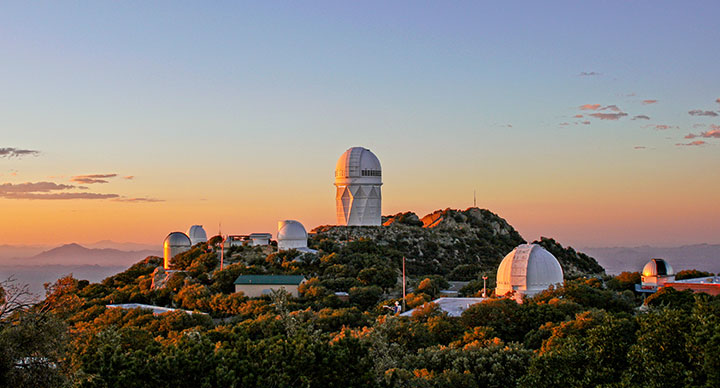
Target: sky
x,y
596,124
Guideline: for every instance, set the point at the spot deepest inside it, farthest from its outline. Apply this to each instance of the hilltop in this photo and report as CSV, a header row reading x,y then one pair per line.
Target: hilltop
x,y
455,243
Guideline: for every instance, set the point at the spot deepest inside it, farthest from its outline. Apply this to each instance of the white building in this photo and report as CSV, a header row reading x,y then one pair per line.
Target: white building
x,y
527,270
655,274
174,244
292,235
252,239
358,178
197,234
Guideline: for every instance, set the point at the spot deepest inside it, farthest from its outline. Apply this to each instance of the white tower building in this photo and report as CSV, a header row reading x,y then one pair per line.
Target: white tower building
x,y
358,178
291,235
175,243
197,234
527,270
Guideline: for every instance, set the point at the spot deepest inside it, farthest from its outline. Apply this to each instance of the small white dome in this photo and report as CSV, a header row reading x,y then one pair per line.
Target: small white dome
x,y
174,244
359,165
197,234
291,235
658,267
527,270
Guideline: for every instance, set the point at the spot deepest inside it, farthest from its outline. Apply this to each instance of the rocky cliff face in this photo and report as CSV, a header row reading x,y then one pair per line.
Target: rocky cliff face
x,y
456,243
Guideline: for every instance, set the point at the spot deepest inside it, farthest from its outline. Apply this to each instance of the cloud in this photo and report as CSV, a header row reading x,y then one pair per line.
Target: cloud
x,y
647,102
718,100
12,152
608,116
588,74
698,112
55,196
46,190
639,147
698,125
129,177
692,143
138,200
662,127
585,122
590,107
578,116
92,178
712,133
641,117
613,108
32,187
564,124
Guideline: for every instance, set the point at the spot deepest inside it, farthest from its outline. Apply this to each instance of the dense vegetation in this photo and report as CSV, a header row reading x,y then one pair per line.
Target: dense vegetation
x,y
590,331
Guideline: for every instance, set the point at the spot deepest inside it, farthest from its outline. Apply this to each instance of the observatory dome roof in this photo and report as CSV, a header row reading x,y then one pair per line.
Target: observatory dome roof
x,y
291,230
197,234
529,268
658,267
177,239
359,162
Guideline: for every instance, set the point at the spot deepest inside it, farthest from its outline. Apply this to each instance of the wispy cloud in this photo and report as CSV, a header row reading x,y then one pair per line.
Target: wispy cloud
x,y
613,108
663,127
585,122
647,102
718,100
712,133
92,178
692,143
129,177
698,112
590,107
12,152
138,200
57,196
608,116
639,147
641,117
27,187
578,116
588,74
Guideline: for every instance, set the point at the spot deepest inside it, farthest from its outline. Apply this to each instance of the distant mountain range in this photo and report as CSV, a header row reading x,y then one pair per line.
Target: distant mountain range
x,y
76,254
705,257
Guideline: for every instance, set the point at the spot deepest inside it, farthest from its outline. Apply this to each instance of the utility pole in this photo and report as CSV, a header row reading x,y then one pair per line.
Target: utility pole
x,y
484,295
474,199
403,284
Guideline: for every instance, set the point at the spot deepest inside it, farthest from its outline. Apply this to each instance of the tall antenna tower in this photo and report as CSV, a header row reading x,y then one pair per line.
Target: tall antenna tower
x,y
474,199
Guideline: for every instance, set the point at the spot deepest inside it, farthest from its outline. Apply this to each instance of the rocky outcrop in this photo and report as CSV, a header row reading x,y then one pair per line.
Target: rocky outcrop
x,y
449,242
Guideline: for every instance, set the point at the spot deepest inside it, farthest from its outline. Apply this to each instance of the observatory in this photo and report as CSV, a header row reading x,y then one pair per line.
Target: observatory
x,y
291,235
527,270
197,234
175,243
655,274
358,178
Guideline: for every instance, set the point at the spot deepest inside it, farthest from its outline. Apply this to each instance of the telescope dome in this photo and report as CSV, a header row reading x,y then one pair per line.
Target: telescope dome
x,y
174,244
291,235
527,270
658,267
197,234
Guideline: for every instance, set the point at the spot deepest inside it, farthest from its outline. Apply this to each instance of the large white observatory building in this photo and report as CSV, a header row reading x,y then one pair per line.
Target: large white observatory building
x,y
358,178
175,243
527,270
197,234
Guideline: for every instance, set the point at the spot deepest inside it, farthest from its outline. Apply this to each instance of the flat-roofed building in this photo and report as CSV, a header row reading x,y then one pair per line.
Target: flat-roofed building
x,y
258,285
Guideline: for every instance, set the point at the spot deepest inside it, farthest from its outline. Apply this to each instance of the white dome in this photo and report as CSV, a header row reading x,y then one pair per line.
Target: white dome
x,y
358,165
174,244
197,234
291,235
658,267
527,270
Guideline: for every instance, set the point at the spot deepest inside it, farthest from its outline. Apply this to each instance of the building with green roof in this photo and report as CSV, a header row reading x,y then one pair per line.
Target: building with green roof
x,y
258,285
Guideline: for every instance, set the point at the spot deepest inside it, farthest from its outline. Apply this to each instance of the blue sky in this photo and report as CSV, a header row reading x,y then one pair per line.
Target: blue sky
x,y
217,107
